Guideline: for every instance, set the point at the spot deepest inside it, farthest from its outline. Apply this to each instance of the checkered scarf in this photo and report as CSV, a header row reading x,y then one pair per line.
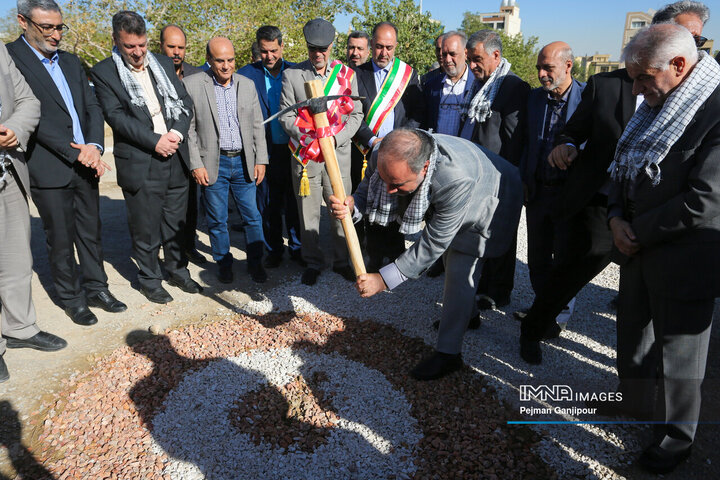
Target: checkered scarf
x,y
651,132
478,110
173,105
382,208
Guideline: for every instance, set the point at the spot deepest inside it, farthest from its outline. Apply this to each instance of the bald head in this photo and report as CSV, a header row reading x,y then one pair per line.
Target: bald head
x,y
554,67
220,55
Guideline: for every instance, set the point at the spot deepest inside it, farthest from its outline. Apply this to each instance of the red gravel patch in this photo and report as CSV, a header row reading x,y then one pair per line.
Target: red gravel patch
x,y
100,426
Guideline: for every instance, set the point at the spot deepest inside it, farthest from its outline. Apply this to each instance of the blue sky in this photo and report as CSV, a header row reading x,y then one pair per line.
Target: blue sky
x,y
588,27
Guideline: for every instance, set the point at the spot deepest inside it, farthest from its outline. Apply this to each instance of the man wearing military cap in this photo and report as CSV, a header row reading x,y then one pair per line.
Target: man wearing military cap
x,y
319,36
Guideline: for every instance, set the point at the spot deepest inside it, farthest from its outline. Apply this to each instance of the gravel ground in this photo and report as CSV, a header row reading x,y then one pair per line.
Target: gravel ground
x,y
179,404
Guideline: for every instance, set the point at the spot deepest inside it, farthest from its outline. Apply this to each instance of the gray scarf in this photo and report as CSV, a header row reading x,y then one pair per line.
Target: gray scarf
x,y
173,105
382,208
478,110
651,132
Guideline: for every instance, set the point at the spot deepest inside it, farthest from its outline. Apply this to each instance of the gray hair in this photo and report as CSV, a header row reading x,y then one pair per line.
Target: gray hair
x,y
454,33
566,54
656,45
25,7
672,10
409,145
489,38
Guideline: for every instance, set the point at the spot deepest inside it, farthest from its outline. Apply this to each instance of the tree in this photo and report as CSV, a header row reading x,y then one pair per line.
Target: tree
x,y
416,30
520,53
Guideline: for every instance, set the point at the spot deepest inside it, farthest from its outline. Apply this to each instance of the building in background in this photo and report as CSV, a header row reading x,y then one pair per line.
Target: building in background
x,y
634,21
592,64
507,20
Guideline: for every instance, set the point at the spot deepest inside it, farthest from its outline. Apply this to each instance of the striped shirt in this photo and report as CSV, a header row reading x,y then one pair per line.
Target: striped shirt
x,y
228,124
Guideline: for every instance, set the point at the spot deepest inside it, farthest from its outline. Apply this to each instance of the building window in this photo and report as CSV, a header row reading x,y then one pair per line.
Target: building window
x,y
637,24
500,26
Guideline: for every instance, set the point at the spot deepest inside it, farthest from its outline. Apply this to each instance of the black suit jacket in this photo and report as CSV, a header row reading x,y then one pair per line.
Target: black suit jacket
x,y
677,222
605,109
504,132
50,156
409,111
132,126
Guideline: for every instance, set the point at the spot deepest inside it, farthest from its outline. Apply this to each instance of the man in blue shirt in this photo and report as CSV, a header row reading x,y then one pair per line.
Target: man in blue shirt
x,y
275,194
64,161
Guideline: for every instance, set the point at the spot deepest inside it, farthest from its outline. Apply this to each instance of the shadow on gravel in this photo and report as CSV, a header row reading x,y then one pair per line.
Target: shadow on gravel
x,y
23,461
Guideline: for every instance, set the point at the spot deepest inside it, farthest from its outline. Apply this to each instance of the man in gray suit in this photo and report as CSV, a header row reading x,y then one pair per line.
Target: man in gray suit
x,y
319,35
470,199
228,153
19,114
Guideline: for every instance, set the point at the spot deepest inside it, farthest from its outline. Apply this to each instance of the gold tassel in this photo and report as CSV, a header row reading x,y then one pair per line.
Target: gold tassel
x,y
362,173
304,184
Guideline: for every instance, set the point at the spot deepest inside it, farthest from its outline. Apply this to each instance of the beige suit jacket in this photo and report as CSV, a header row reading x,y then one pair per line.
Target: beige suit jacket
x,y
204,136
20,112
293,91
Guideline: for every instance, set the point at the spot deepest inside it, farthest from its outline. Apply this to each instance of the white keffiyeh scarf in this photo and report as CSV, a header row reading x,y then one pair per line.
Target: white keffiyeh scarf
x,y
382,208
651,132
173,105
478,110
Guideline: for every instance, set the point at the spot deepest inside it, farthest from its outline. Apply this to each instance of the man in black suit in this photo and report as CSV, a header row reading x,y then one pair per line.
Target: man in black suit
x,y
64,161
149,111
664,213
380,79
173,43
607,104
496,120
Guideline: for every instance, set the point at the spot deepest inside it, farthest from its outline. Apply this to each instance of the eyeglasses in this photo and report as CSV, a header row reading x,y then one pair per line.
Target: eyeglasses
x,y
47,29
699,40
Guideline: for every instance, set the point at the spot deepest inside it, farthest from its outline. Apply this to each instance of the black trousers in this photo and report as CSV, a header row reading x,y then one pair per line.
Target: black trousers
x,y
498,274
156,216
663,338
356,163
191,216
71,219
275,198
589,242
383,242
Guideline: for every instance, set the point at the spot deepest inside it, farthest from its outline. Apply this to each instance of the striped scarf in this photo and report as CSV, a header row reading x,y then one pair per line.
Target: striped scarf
x,y
651,132
174,107
478,110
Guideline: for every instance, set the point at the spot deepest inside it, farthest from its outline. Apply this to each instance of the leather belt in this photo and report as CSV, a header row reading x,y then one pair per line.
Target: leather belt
x,y
231,153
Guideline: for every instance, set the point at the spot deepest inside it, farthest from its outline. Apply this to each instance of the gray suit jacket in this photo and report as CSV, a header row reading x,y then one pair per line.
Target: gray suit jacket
x,y
20,112
293,91
475,203
204,137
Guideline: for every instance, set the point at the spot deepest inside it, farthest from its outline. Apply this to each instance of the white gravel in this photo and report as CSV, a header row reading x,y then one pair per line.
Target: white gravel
x,y
373,439
583,358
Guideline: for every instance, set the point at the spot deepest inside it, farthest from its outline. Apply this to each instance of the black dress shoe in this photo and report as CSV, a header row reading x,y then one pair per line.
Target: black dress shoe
x,y
656,459
4,374
195,257
44,341
81,315
225,273
346,272
157,295
437,365
258,274
474,323
106,301
530,351
187,285
272,261
309,276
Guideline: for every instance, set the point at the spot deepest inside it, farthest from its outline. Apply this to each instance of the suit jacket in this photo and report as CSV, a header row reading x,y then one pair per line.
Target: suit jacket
x,y
256,73
189,70
475,203
204,137
504,132
293,91
133,135
432,91
50,156
605,108
537,101
677,222
409,111
20,113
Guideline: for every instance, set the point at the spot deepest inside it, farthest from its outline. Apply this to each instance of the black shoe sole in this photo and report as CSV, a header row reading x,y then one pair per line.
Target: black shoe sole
x,y
15,343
